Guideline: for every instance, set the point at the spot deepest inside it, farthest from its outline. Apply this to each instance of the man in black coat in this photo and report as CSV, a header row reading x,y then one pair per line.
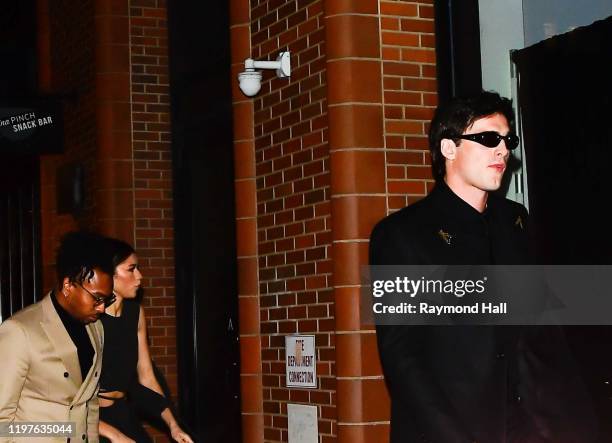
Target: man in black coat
x,y
456,384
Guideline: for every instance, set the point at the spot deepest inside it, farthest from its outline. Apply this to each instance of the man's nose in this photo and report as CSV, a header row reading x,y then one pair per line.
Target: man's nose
x,y
100,308
502,149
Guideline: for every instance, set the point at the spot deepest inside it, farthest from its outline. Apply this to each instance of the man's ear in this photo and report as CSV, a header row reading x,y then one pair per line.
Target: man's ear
x,y
66,284
448,148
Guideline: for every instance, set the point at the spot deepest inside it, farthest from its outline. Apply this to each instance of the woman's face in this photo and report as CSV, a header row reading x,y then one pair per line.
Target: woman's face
x,y
127,277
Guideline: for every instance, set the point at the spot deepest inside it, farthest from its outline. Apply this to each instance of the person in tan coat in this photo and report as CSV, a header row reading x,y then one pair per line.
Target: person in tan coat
x,y
51,351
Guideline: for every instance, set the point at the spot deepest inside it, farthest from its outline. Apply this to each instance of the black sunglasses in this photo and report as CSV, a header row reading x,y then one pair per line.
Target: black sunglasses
x,y
491,139
107,300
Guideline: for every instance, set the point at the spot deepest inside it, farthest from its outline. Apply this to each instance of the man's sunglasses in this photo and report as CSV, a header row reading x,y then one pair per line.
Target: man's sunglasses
x,y
491,139
106,300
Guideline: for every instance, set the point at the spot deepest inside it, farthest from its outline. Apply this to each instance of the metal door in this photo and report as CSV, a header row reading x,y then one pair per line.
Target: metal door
x,y
20,278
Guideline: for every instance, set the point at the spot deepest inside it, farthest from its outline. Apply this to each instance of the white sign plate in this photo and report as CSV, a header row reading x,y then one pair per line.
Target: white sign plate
x,y
302,423
301,362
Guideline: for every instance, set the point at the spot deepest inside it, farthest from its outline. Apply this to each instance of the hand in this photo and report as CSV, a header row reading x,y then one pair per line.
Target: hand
x,y
179,435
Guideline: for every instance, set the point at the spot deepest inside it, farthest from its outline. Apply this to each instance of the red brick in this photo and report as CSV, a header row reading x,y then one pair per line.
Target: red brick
x,y
419,55
400,39
398,9
407,187
401,69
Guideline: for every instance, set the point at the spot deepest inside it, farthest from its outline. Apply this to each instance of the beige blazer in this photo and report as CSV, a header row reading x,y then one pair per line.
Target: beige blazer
x,y
40,375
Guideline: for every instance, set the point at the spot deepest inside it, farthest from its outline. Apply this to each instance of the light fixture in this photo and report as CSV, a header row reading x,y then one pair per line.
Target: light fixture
x,y
250,79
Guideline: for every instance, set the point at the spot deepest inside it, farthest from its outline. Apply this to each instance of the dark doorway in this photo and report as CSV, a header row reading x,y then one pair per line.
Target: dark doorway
x,y
18,48
565,98
20,263
202,144
458,66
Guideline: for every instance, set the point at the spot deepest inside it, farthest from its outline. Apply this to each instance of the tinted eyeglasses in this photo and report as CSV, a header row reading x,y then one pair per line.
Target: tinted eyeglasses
x,y
491,139
106,300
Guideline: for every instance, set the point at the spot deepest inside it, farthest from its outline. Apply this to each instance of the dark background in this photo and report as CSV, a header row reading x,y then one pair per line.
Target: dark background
x,y
202,145
565,98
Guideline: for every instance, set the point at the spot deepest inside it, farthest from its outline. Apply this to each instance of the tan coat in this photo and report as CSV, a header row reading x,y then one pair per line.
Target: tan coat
x,y
40,375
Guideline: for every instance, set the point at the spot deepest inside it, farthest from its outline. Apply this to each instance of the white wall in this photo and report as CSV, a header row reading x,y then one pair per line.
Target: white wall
x,y
501,30
545,18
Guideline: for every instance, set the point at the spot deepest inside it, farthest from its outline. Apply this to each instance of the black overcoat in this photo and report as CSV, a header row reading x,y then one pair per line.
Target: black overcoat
x,y
454,384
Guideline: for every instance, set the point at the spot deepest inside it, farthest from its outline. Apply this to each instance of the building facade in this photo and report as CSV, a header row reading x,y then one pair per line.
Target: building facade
x,y
288,183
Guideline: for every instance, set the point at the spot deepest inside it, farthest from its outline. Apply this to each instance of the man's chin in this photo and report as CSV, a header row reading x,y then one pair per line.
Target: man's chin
x,y
493,186
91,319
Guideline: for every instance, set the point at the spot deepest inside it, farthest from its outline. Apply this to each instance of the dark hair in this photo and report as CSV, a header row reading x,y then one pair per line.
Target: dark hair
x,y
79,253
454,117
119,251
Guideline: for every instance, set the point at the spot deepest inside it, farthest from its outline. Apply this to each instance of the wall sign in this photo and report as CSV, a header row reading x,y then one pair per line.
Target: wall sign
x,y
301,362
33,126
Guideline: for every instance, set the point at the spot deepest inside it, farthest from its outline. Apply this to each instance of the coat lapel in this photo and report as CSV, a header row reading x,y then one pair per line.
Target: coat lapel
x,y
96,341
61,341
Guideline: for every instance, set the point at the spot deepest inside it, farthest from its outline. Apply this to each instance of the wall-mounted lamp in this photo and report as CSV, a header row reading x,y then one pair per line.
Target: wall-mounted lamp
x,y
250,79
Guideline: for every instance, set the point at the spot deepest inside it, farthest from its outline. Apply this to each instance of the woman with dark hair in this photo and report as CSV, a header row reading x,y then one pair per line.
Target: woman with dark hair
x,y
128,379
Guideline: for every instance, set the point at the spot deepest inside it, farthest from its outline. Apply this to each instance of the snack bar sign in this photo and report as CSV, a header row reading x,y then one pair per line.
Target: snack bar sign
x,y
32,126
301,363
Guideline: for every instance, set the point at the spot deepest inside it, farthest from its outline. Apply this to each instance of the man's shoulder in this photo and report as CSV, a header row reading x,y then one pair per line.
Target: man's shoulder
x,y
508,206
411,215
19,327
29,315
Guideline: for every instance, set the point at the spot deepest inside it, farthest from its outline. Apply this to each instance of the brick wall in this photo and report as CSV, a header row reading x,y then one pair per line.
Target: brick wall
x,y
319,160
72,65
409,79
293,208
358,201
67,69
150,108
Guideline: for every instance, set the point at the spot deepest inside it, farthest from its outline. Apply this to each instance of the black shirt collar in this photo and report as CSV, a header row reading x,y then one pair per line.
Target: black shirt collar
x,y
67,319
459,212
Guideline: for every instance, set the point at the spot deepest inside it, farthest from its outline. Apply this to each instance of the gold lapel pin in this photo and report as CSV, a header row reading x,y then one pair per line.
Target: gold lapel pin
x,y
445,236
519,222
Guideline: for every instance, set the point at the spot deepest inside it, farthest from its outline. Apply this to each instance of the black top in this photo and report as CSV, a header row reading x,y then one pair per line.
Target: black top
x,y
120,348
78,333
120,358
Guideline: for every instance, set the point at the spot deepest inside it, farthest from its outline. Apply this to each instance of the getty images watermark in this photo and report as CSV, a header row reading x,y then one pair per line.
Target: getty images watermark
x,y
511,295
414,289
